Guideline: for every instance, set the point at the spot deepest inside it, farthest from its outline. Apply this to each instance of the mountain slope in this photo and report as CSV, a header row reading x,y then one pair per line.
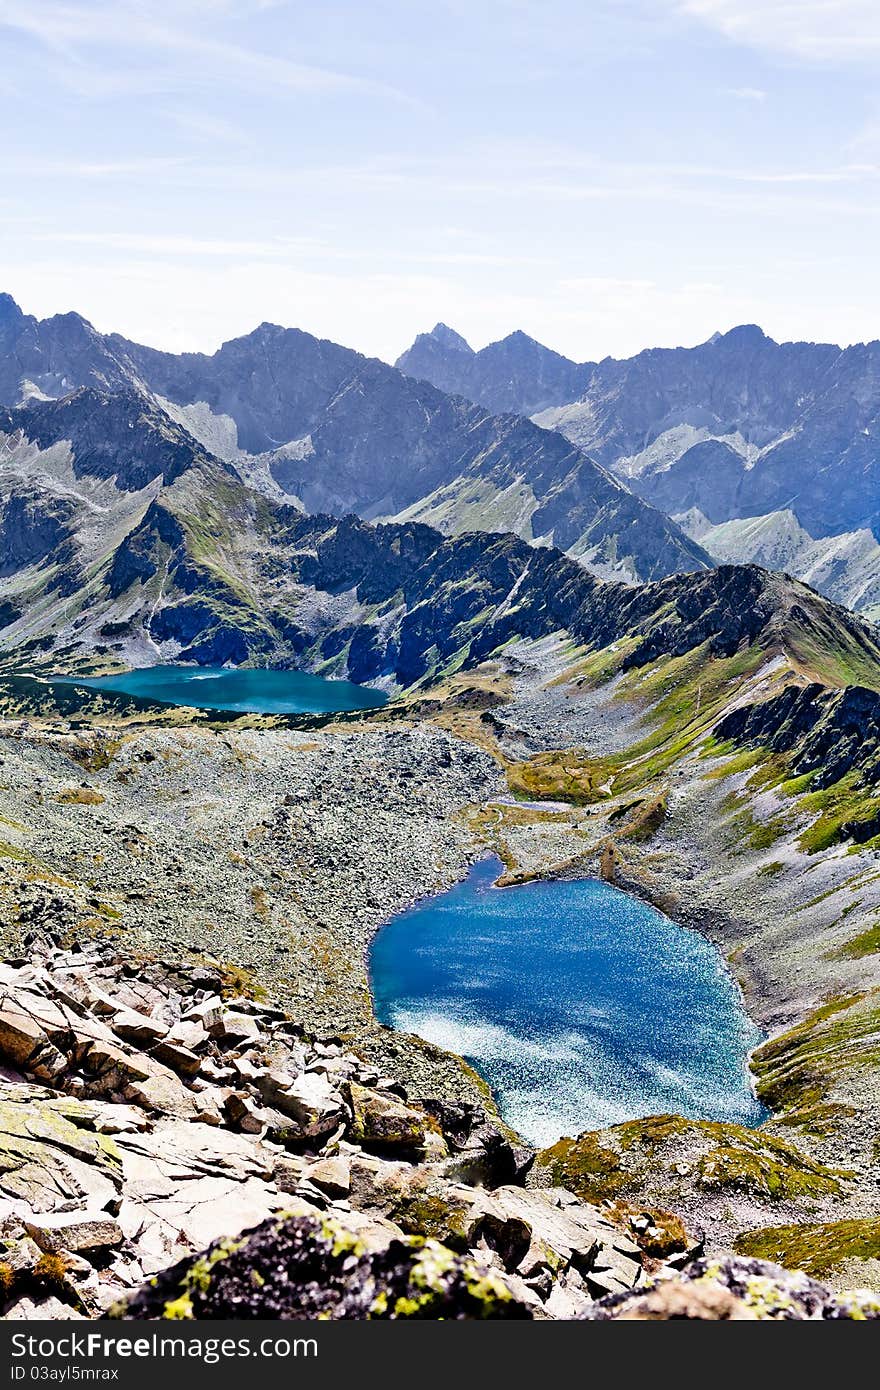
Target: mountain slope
x,y
739,427
790,425
845,567
160,549
335,431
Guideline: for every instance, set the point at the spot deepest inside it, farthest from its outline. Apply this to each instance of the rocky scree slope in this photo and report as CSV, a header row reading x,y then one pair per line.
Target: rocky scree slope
x,y
334,431
145,1112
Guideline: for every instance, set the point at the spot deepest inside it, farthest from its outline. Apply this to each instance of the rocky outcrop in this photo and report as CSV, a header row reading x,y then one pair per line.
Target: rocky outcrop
x,y
145,1115
737,1290
124,436
670,1162
33,528
827,733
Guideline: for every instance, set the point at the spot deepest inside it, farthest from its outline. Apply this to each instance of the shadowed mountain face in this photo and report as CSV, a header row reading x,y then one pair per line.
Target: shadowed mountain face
x,y
739,427
307,420
161,551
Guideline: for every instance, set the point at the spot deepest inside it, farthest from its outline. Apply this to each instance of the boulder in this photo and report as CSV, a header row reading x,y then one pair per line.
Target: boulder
x,y
489,1156
243,1114
77,1231
188,1033
331,1175
303,1267
41,1309
383,1122
53,1154
311,1102
136,1027
234,1027
177,1057
733,1289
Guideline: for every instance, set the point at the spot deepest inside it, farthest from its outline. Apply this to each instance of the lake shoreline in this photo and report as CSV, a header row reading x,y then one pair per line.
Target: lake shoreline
x,y
583,925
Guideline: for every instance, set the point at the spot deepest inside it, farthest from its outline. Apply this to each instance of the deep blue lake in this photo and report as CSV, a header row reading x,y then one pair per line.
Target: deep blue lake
x,y
245,690
581,1006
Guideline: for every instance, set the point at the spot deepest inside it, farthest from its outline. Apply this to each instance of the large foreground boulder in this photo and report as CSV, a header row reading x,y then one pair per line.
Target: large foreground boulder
x,y
736,1290
301,1267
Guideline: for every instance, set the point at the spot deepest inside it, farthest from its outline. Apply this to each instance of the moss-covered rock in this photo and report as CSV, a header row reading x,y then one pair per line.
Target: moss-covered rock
x,y
736,1290
666,1154
382,1122
305,1267
50,1151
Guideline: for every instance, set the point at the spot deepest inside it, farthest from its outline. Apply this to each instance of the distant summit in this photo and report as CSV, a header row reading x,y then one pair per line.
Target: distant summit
x,y
447,337
744,335
517,374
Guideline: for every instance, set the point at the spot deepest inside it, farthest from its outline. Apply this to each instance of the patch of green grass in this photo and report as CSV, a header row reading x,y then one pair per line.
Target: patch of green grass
x,y
798,1069
818,1250
833,806
681,698
867,943
734,762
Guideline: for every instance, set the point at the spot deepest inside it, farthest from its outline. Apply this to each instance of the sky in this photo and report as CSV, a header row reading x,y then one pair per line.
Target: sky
x,y
606,175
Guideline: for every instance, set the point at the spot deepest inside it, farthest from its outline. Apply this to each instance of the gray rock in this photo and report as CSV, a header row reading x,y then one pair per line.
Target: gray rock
x,y
74,1230
136,1027
380,1121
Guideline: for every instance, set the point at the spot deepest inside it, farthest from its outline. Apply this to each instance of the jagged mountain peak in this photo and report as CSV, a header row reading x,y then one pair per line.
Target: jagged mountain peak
x,y
514,374
519,336
9,308
340,432
448,338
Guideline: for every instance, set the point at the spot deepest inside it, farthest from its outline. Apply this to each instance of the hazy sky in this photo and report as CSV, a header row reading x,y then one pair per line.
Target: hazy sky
x,y
605,174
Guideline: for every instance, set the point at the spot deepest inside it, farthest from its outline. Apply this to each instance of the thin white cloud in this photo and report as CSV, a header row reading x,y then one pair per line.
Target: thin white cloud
x,y
147,166
752,94
819,31
144,244
76,31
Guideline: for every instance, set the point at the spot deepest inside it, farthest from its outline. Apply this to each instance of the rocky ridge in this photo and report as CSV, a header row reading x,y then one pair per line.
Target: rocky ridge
x,y
738,433
329,430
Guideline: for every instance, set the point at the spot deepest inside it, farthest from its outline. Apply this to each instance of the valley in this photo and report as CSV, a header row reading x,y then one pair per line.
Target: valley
x,y
275,852
701,738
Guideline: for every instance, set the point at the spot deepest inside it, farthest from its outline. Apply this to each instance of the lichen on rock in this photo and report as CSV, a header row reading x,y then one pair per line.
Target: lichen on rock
x,y
302,1267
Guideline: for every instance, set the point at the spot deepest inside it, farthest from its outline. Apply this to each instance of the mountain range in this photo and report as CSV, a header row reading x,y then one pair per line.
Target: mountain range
x,y
738,428
126,541
315,424
287,500
704,736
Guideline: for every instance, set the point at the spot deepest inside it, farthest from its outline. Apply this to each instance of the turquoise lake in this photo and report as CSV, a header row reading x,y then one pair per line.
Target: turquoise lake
x,y
580,1005
244,690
